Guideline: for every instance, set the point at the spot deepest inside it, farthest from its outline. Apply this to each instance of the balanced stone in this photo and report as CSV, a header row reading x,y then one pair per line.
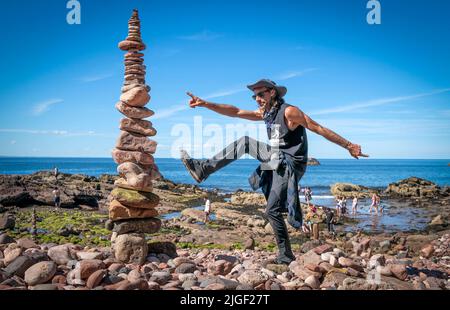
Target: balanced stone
x,y
118,211
121,157
134,72
136,97
135,142
139,126
129,170
133,60
148,226
130,77
133,185
131,248
135,177
131,86
138,81
135,199
128,45
133,112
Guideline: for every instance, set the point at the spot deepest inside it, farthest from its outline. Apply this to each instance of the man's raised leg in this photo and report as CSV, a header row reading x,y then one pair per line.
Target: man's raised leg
x,y
201,169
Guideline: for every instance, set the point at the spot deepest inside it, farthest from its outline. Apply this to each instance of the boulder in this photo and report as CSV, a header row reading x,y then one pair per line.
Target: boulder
x,y
88,266
40,273
162,247
131,248
253,277
7,221
62,254
5,239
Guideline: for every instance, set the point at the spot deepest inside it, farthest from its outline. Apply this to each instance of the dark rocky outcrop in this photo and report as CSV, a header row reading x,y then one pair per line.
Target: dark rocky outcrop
x,y
36,189
349,190
414,187
313,162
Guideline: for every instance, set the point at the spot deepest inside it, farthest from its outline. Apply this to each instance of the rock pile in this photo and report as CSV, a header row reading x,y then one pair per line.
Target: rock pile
x,y
132,209
358,263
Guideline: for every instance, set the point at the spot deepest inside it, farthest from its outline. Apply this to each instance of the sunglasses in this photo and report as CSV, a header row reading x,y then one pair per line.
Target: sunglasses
x,y
260,94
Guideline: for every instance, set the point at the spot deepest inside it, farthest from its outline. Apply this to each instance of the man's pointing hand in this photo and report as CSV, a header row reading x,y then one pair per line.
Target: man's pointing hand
x,y
195,101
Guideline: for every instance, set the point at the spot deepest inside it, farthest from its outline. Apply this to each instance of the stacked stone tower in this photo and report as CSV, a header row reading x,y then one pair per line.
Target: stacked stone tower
x,y
132,208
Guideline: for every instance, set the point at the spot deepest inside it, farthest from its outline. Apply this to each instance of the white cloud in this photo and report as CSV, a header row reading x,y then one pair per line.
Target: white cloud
x,y
378,102
51,132
42,107
95,78
205,35
292,74
168,112
184,106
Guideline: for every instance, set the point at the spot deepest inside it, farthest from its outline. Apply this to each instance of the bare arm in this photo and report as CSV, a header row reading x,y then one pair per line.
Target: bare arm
x,y
296,117
225,109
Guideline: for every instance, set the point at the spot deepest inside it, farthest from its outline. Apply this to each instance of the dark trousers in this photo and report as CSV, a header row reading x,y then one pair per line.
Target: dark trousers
x,y
278,190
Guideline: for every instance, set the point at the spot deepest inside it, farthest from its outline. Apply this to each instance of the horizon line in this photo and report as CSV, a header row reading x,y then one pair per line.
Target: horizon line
x,y
317,158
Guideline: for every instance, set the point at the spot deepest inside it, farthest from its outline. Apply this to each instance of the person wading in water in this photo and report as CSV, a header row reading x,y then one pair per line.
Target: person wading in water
x,y
283,162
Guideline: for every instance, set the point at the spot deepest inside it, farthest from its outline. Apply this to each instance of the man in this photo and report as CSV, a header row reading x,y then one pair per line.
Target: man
x,y
283,162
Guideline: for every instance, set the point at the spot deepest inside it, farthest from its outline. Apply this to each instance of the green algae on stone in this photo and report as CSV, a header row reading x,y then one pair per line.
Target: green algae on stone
x,y
90,225
135,199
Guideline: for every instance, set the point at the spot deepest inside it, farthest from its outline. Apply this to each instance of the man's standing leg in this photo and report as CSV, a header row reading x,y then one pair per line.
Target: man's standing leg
x,y
275,207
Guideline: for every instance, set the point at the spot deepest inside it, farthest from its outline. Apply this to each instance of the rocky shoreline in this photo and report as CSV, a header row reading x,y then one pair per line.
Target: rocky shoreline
x,y
72,249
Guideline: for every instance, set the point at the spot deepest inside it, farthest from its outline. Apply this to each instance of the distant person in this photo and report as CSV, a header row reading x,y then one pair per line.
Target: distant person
x,y
57,197
56,173
338,206
308,195
330,219
374,202
207,210
355,205
343,205
378,205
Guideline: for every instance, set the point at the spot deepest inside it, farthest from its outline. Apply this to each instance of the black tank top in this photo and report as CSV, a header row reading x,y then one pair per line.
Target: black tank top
x,y
293,143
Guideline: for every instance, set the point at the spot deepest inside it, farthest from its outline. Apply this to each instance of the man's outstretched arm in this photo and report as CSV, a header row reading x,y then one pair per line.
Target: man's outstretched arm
x,y
296,117
224,109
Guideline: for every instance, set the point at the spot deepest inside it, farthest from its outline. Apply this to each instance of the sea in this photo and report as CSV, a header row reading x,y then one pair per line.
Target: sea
x,y
376,173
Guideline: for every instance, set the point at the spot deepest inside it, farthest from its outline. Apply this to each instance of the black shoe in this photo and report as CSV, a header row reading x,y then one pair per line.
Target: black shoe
x,y
277,261
191,166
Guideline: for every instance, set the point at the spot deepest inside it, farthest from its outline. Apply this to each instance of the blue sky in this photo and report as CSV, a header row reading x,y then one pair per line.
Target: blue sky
x,y
386,87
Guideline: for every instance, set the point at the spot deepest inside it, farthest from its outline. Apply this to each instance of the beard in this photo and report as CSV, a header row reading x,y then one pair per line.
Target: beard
x,y
266,107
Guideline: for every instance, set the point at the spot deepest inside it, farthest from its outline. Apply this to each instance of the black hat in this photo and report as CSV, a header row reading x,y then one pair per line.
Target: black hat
x,y
281,90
